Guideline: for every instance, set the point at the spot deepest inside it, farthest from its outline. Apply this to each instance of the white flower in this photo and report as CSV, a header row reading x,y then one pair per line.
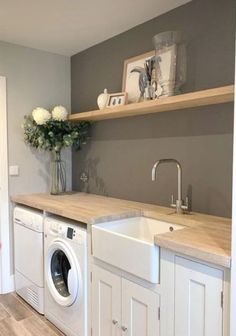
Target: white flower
x,y
59,113
40,115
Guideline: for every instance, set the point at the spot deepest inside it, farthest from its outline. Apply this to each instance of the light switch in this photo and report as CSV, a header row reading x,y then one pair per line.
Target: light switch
x,y
14,170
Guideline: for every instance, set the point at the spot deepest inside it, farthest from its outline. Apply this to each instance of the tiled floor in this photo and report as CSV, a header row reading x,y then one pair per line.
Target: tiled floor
x,y
17,318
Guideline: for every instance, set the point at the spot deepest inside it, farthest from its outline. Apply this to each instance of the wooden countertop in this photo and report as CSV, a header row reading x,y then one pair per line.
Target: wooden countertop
x,y
204,237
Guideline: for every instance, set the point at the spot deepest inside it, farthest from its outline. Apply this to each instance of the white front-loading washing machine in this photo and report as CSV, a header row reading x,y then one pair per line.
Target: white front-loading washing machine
x,y
65,260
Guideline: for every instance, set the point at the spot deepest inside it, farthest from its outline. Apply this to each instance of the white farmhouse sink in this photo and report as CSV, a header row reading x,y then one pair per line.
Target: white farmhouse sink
x,y
129,245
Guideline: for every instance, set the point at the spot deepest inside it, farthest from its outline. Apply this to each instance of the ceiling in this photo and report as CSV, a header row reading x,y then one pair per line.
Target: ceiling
x,y
69,26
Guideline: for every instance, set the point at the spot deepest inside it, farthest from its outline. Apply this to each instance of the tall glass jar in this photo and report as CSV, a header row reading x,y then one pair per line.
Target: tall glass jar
x,y
170,63
58,175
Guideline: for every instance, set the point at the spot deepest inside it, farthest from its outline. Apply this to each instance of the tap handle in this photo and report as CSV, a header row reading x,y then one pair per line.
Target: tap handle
x,y
185,206
186,202
173,204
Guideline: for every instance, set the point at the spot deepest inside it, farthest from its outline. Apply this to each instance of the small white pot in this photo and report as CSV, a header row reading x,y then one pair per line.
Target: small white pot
x,y
102,99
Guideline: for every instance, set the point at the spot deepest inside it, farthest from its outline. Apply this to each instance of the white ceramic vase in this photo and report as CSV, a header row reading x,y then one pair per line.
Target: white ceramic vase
x,y
102,99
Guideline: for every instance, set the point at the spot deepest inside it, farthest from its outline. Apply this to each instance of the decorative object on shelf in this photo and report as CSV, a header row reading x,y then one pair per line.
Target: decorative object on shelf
x,y
116,99
53,132
151,85
137,77
102,99
170,61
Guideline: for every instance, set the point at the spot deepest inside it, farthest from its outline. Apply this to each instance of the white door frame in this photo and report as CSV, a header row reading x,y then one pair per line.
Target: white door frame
x,y
6,279
233,250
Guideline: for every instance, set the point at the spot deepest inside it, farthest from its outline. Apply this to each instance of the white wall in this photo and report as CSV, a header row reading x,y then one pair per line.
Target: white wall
x,y
34,78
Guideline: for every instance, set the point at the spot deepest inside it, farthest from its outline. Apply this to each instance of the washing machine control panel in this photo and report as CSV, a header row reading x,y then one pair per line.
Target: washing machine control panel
x,y
70,233
74,235
66,231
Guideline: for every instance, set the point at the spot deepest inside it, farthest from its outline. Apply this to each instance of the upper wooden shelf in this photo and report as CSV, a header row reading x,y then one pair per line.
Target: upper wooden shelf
x,y
214,96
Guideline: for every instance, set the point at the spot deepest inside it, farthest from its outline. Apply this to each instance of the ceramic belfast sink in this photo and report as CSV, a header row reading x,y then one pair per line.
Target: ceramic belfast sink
x,y
129,245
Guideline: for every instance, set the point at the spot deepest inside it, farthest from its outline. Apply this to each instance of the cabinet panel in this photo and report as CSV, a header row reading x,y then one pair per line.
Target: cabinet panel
x,y
198,309
106,303
140,310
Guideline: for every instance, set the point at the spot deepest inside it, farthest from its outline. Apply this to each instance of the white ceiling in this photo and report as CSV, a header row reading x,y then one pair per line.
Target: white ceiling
x,y
69,26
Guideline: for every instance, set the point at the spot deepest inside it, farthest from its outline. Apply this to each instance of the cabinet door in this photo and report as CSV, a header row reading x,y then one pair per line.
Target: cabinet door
x,y
198,292
140,310
106,303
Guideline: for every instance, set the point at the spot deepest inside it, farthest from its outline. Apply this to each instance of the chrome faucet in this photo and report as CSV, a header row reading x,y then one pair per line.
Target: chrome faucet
x,y
179,204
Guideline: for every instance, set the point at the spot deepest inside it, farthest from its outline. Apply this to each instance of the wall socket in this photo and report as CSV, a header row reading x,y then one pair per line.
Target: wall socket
x,y
14,170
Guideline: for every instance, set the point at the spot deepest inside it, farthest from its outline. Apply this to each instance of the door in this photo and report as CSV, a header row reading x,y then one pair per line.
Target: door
x,y
6,278
23,259
198,295
62,273
106,303
140,310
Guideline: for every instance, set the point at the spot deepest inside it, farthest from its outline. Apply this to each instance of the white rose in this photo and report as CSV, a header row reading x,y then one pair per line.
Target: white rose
x,y
59,113
40,115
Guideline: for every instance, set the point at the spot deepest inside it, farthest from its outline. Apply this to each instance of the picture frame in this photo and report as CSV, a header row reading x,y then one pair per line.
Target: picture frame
x,y
130,80
165,73
117,99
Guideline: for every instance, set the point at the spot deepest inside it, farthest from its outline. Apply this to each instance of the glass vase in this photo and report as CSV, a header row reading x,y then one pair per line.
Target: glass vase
x,y
170,63
58,175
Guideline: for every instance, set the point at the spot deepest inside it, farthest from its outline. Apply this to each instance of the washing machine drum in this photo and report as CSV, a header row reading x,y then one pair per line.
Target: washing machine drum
x,y
63,274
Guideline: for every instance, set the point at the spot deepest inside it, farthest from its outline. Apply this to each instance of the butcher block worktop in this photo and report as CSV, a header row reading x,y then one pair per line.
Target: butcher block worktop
x,y
205,237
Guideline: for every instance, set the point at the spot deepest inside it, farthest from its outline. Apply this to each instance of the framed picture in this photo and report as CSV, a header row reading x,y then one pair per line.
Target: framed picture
x,y
130,83
116,99
165,72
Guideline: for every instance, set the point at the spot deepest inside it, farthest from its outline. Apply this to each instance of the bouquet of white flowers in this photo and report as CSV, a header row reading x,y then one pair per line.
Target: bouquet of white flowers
x,y
52,132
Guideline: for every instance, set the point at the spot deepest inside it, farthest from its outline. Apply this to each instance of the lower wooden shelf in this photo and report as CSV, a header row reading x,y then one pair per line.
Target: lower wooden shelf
x,y
214,96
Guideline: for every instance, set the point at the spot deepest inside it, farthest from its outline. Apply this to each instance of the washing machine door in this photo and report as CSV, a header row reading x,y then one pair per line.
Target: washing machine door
x,y
62,273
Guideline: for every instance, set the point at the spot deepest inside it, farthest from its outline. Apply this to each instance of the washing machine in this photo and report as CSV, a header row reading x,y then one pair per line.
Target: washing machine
x,y
65,261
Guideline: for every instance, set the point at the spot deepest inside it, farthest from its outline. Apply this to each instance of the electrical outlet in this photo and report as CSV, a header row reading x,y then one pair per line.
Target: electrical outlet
x,y
14,170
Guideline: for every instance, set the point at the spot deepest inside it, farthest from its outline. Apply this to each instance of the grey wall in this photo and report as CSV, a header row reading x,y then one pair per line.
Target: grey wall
x,y
121,153
34,78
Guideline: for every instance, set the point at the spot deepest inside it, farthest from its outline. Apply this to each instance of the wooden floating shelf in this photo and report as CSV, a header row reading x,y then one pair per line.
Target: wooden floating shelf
x,y
214,96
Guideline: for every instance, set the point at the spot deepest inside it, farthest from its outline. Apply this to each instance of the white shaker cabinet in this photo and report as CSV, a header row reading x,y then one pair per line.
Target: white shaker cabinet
x,y
198,299
140,310
121,307
106,303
